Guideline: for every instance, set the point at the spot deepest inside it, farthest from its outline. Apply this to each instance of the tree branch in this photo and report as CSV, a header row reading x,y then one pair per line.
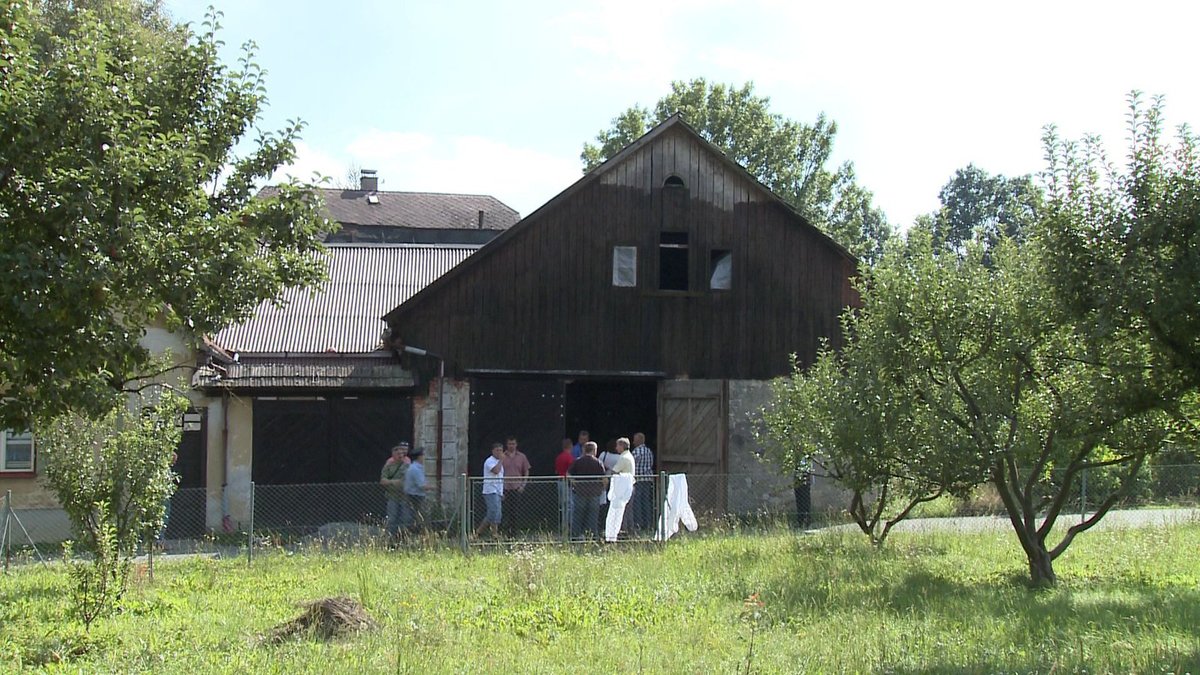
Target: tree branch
x,y
1101,510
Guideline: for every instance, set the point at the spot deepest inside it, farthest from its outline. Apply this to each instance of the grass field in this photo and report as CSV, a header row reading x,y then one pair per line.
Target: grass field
x,y
1127,601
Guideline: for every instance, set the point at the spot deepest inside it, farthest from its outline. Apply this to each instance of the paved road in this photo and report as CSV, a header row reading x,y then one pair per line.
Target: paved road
x,y
1112,520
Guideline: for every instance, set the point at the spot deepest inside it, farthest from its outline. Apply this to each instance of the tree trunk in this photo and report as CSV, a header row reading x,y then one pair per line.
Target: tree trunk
x,y
1041,566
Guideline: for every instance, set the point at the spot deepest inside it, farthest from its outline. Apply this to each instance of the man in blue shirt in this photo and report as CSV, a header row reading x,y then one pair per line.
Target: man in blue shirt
x,y
414,490
577,449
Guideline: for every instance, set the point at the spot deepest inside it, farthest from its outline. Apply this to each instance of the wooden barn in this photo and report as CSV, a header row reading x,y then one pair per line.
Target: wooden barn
x,y
659,293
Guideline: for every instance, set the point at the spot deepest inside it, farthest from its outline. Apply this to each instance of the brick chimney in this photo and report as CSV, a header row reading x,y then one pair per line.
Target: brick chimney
x,y
369,180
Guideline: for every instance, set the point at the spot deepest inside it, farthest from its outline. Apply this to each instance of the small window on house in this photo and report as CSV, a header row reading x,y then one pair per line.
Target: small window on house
x,y
673,261
720,270
674,182
16,451
624,271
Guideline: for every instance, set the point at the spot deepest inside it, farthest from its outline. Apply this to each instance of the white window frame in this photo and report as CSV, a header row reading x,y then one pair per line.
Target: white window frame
x,y
4,440
624,267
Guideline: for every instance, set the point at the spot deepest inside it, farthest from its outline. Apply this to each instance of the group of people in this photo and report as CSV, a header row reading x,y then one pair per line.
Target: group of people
x,y
587,474
404,483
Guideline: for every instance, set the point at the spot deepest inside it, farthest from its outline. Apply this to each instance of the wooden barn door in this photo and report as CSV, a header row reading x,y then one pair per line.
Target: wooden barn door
x,y
531,410
691,438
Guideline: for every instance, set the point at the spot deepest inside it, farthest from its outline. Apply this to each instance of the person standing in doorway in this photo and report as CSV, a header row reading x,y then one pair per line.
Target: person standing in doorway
x,y
587,485
392,480
577,449
493,491
608,459
516,477
642,507
561,464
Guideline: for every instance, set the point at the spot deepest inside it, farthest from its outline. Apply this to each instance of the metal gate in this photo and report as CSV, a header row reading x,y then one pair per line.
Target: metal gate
x,y
692,438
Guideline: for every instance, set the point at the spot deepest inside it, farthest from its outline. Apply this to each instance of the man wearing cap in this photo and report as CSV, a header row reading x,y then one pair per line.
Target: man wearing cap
x,y
392,480
414,490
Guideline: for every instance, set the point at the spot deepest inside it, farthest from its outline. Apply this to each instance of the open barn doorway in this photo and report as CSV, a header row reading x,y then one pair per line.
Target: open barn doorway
x,y
609,409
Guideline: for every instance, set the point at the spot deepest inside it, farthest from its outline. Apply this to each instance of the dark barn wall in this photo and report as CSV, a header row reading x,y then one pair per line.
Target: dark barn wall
x,y
541,298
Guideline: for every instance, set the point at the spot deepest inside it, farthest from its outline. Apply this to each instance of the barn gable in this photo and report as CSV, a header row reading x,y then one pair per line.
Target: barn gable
x,y
668,260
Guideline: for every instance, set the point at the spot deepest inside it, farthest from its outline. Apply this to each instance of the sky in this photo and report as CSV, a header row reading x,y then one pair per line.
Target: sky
x,y
499,98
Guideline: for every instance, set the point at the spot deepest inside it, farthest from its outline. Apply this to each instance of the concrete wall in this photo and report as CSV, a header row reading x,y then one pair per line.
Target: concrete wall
x,y
239,461
228,473
757,483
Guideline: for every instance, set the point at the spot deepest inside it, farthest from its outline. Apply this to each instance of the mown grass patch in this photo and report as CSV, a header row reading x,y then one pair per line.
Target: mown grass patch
x,y
1127,601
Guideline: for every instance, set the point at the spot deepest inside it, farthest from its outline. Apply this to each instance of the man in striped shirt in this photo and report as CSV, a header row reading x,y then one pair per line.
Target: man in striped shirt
x,y
642,506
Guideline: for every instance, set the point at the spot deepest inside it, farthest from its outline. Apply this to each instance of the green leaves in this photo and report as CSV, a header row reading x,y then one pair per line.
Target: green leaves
x,y
120,461
1128,243
122,201
964,369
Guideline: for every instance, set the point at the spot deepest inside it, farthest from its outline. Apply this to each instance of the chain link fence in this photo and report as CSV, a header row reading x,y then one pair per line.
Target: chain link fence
x,y
454,512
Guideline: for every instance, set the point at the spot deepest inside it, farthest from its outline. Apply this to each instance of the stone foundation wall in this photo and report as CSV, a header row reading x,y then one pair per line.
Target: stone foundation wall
x,y
456,422
756,482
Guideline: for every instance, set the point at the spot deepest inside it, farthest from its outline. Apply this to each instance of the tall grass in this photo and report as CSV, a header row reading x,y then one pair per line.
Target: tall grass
x,y
1127,601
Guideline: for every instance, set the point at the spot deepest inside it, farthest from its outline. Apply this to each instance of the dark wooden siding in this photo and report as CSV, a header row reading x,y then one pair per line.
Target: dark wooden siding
x,y
541,297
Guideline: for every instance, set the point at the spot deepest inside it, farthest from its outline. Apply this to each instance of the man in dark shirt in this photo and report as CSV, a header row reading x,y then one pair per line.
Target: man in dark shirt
x,y
587,483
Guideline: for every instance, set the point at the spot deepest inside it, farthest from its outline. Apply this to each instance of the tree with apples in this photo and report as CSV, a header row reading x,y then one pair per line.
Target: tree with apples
x,y
123,202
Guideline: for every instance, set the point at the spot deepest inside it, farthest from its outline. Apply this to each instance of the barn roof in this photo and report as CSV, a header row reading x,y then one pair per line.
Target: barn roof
x,y
342,315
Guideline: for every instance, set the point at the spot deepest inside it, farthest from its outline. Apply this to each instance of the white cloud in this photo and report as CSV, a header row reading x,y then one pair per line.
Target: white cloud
x,y
631,43
409,161
311,163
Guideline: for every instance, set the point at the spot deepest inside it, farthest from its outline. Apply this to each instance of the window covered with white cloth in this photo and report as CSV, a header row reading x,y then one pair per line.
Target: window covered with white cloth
x,y
624,270
720,270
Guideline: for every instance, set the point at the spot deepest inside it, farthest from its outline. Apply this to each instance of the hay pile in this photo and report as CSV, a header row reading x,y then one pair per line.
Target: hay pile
x,y
326,618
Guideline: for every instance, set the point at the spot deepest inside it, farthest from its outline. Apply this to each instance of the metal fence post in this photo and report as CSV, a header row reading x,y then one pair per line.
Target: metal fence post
x,y
660,513
250,536
564,497
6,537
10,517
464,511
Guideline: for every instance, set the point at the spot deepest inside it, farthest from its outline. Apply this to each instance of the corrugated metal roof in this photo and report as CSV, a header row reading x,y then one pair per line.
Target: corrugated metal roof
x,y
343,315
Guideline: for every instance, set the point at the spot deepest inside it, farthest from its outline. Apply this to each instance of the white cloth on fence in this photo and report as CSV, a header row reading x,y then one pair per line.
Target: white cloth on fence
x,y
676,509
620,491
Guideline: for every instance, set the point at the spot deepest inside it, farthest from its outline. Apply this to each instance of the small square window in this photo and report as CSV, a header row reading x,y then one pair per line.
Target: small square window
x,y
720,270
16,451
624,266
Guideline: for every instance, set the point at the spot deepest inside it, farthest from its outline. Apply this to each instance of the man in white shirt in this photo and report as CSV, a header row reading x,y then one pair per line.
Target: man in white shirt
x,y
620,490
624,462
493,491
